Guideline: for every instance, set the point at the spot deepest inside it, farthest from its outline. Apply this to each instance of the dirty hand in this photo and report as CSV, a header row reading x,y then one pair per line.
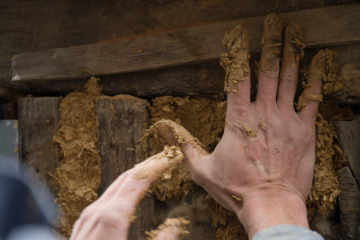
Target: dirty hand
x,y
109,217
262,168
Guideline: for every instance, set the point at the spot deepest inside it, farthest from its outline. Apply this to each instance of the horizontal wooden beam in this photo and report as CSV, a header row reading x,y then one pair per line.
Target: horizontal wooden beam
x,y
323,26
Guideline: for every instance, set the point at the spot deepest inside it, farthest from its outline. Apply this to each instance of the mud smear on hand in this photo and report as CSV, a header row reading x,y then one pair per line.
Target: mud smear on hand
x,y
295,35
236,61
271,43
203,118
329,155
77,179
332,80
173,183
179,223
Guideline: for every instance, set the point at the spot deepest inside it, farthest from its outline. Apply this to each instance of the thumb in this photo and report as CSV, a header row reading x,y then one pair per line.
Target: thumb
x,y
172,229
177,135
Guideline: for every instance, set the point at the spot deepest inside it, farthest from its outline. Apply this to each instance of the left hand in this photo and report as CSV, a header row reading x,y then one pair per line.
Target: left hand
x,y
109,217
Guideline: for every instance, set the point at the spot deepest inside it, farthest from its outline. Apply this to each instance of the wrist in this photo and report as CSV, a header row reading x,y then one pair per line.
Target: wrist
x,y
259,213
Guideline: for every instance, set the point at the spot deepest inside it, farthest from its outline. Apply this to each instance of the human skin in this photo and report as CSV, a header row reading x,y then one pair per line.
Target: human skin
x,y
271,174
265,179
109,216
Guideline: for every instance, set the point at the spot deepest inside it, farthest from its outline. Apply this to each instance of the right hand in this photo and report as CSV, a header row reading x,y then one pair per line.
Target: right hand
x,y
265,178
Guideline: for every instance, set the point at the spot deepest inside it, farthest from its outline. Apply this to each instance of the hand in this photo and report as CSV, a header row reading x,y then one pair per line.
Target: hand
x,y
262,168
109,217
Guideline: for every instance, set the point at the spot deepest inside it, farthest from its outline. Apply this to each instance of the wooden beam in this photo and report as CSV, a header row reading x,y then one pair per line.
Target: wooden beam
x,y
348,133
38,120
122,121
325,26
349,201
38,123
350,93
324,224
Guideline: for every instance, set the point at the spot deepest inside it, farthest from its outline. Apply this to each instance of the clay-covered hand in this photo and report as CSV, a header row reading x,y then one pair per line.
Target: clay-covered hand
x,y
109,217
262,168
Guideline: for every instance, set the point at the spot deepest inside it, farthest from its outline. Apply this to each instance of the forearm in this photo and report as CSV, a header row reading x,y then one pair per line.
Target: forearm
x,y
259,213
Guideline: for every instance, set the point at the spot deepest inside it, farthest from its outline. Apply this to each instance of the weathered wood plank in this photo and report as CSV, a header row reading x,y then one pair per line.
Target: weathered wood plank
x,y
38,123
349,201
200,80
65,23
348,133
122,121
326,224
38,120
350,94
326,26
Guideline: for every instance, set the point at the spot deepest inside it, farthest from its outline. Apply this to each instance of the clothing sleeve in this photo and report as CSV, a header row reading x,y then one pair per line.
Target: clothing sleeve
x,y
287,232
32,232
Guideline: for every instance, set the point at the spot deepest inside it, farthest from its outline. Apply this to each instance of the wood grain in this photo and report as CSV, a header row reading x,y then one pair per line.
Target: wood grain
x,y
38,120
122,121
39,25
349,201
38,123
348,133
350,93
325,26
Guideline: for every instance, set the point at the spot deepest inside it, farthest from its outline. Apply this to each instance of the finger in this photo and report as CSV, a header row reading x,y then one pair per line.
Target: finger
x,y
175,134
270,58
89,211
293,52
111,190
310,98
114,218
236,65
173,228
142,175
76,228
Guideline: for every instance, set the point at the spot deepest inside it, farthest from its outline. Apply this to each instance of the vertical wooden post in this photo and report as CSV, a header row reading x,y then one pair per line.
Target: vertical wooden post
x,y
348,133
122,121
349,199
38,123
349,178
38,154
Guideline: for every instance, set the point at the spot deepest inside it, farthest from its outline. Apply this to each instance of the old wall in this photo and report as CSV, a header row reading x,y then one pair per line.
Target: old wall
x,y
38,25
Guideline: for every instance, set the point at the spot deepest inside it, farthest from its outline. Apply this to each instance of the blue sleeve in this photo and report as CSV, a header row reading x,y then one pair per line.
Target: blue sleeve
x,y
288,232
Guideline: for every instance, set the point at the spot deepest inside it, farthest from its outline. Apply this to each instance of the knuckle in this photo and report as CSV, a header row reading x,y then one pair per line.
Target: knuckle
x,y
288,80
271,73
